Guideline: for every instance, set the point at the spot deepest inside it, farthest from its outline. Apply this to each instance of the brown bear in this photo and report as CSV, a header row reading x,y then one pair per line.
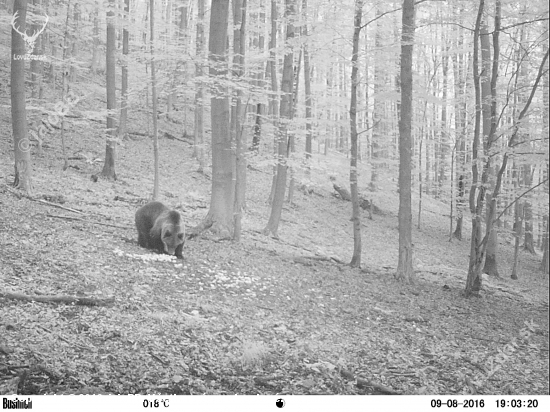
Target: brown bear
x,y
160,229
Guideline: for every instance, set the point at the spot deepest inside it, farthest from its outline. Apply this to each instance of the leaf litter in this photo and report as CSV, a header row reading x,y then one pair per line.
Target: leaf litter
x,y
265,316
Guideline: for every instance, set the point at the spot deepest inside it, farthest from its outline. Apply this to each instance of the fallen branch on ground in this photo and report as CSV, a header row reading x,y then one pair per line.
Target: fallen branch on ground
x,y
68,300
90,221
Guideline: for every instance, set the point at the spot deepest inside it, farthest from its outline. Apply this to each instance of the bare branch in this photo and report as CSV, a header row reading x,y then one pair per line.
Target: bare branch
x,y
517,198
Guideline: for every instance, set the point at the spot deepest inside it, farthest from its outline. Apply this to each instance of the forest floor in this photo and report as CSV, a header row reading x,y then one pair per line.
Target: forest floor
x,y
262,316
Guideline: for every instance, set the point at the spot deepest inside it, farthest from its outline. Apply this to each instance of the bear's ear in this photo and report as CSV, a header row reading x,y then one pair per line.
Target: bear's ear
x,y
167,233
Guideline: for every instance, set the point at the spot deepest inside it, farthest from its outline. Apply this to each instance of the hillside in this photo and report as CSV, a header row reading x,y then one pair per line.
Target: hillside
x,y
255,317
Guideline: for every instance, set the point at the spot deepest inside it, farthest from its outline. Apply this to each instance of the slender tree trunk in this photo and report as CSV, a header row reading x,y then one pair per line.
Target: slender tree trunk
x,y
198,147
274,102
122,127
459,73
282,132
257,130
37,66
443,135
156,183
404,266
239,47
546,129
477,194
307,88
356,214
491,266
378,107
110,148
65,83
291,135
545,259
420,184
518,226
74,43
95,37
22,146
528,244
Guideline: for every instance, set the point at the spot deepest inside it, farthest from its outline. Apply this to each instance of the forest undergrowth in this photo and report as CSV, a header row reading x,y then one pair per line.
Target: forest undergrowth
x,y
262,316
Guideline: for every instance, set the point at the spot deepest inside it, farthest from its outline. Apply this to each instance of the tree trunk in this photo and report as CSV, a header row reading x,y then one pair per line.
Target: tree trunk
x,y
480,246
220,215
518,226
491,266
474,280
356,211
95,37
459,72
110,147
546,130
22,146
156,183
307,88
282,132
37,65
122,127
65,84
239,48
404,266
377,107
528,211
443,136
198,134
291,134
545,260
257,130
274,103
74,42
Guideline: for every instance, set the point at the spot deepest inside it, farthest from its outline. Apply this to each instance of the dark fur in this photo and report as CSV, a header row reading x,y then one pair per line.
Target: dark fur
x,y
160,229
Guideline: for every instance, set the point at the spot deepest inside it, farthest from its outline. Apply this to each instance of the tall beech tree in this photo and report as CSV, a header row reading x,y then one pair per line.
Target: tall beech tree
x,y
239,47
21,142
110,147
198,135
122,127
404,265
156,182
285,115
356,210
220,215
488,81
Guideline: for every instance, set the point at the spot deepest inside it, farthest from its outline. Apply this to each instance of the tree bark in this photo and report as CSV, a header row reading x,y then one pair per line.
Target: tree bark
x,y
37,65
404,266
356,211
474,280
459,73
198,134
95,40
156,183
122,126
239,48
110,147
307,89
220,215
518,226
285,115
21,142
273,102
488,98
